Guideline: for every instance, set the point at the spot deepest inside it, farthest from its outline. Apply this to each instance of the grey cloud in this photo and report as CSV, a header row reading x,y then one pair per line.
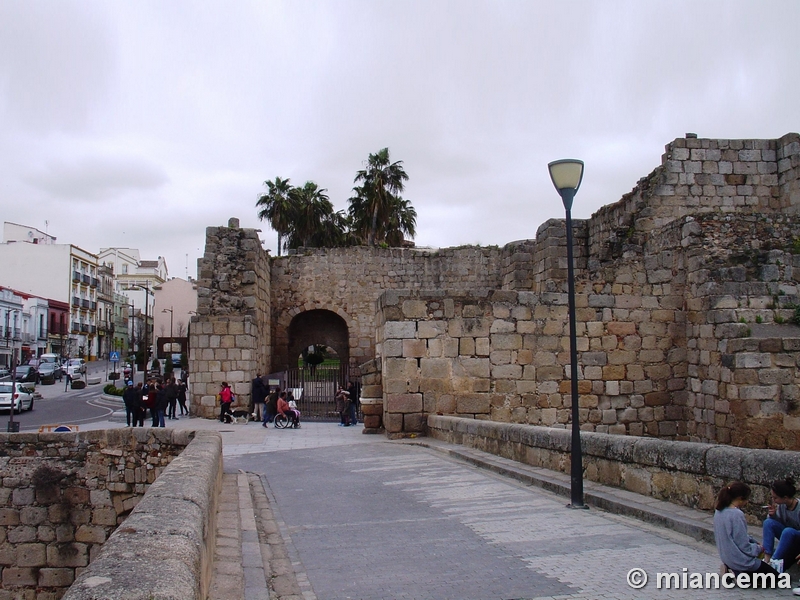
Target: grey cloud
x,y
96,178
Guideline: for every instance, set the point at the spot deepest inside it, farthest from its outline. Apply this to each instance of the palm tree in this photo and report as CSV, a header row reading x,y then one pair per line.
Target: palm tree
x,y
276,207
375,199
311,210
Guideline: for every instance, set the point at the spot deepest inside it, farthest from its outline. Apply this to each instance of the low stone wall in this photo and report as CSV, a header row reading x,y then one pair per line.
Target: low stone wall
x,y
165,548
63,494
685,473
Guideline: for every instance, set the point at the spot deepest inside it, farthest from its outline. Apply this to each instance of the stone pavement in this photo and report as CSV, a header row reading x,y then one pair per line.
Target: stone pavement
x,y
327,513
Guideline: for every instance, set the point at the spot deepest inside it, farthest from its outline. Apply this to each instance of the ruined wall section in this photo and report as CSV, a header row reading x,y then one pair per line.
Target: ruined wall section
x,y
230,338
348,282
743,376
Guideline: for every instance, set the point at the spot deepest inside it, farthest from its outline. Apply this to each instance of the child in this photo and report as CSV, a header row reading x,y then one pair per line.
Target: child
x,y
736,548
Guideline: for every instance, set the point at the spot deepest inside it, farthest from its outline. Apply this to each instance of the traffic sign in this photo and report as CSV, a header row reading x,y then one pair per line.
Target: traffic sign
x,y
113,356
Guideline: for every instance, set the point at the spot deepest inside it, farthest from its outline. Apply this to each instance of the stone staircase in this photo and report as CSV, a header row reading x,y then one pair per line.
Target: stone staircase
x,y
251,561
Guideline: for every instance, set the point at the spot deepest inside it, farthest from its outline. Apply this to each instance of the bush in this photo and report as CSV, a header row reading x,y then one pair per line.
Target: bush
x,y
113,390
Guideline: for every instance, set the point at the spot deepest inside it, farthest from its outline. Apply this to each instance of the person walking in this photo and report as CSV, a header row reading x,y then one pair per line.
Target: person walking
x,y
225,399
69,381
182,397
172,398
141,409
162,402
259,395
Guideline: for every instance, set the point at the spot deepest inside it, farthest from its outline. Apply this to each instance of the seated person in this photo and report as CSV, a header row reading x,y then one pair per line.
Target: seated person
x,y
287,411
783,523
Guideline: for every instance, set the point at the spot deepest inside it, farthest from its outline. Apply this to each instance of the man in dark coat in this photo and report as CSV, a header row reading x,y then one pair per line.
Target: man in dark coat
x,y
259,396
131,400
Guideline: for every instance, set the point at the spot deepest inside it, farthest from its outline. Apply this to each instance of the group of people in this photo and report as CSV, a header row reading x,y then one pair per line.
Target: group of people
x,y
739,551
161,399
268,404
347,405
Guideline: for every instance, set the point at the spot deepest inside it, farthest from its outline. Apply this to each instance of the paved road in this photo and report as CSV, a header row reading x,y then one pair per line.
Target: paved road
x,y
389,520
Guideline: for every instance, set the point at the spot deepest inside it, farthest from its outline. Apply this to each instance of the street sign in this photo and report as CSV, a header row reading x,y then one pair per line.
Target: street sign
x,y
113,356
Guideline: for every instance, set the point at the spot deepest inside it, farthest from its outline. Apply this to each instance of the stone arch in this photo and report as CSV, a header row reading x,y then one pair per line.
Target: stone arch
x,y
318,326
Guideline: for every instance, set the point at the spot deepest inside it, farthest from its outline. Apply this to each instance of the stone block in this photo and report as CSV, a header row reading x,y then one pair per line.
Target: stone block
x,y
31,555
435,367
414,423
414,348
415,309
403,403
393,422
19,577
399,330
473,404
56,577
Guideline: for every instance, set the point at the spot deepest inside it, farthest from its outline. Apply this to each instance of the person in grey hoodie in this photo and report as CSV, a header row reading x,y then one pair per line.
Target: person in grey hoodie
x,y
783,523
736,548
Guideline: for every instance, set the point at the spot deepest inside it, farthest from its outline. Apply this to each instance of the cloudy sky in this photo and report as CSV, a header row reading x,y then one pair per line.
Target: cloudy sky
x,y
139,124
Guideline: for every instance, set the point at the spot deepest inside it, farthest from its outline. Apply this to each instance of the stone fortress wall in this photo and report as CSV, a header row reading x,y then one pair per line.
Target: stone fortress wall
x,y
63,494
685,288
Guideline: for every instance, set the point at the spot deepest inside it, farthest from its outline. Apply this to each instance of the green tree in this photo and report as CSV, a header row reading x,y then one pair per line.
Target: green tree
x,y
314,222
377,212
276,207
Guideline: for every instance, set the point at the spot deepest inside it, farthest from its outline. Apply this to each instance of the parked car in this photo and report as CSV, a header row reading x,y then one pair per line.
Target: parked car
x,y
26,374
4,372
50,372
23,396
75,367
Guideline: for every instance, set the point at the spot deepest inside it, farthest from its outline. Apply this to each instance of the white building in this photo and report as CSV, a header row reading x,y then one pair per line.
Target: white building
x,y
11,305
175,303
136,279
60,272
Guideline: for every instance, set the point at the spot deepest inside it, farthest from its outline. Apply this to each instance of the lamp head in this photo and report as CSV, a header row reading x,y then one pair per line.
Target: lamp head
x,y
566,175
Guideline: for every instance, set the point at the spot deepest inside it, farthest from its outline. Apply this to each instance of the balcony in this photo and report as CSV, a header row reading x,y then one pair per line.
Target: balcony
x,y
86,303
76,276
93,305
76,301
86,279
84,328
76,327
42,334
94,282
28,338
92,329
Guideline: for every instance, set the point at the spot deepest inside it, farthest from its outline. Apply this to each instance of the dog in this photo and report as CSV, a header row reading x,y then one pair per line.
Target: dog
x,y
240,416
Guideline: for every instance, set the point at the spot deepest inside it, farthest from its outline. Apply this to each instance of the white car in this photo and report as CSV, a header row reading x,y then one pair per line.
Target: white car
x,y
75,367
23,396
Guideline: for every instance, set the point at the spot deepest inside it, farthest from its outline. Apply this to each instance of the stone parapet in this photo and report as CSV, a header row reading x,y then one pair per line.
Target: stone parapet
x,y
686,473
63,494
165,548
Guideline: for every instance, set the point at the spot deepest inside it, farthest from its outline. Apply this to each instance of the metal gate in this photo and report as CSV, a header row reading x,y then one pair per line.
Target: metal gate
x,y
314,389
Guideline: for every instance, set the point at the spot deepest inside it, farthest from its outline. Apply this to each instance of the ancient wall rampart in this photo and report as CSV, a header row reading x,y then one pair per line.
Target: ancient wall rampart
x,y
230,336
348,281
63,494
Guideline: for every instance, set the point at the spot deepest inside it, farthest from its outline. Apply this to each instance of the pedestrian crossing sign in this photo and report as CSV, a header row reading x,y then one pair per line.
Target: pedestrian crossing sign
x,y
113,356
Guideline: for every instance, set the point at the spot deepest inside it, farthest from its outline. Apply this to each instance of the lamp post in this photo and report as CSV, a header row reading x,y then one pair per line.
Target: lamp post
x,y
146,288
567,175
171,311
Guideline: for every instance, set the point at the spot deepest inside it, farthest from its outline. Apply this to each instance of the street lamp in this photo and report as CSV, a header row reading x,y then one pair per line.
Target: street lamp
x,y
170,310
567,175
146,288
